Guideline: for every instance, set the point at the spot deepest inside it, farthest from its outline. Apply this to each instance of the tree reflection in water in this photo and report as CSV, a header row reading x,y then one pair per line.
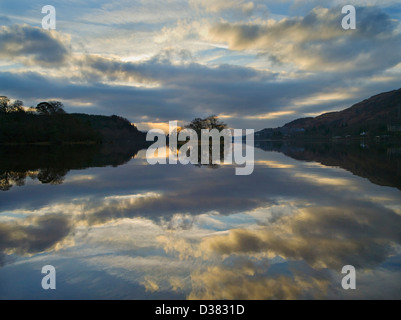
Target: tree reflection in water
x,y
50,164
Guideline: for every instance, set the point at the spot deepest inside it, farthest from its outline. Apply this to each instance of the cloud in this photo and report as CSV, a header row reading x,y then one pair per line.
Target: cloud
x,y
218,6
164,68
32,45
150,285
33,235
323,237
250,282
317,42
4,20
121,12
154,273
200,253
261,82
193,199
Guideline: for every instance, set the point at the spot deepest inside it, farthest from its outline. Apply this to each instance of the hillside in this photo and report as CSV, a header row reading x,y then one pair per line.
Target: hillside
x,y
112,129
379,115
28,128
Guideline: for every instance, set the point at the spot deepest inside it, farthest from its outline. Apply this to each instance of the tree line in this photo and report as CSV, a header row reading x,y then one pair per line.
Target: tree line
x,y
17,106
48,122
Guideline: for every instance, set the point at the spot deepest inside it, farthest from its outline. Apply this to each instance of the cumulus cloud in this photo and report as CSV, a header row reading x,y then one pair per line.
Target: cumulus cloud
x,y
32,45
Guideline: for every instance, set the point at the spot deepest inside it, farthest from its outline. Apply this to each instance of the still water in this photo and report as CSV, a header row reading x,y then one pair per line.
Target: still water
x,y
115,227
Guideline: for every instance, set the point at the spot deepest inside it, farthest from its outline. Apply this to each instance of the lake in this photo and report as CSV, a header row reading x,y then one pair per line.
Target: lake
x,y
115,227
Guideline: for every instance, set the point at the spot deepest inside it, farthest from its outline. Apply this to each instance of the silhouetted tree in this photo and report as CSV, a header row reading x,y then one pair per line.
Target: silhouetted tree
x,y
52,175
4,104
209,123
7,107
5,184
50,108
17,106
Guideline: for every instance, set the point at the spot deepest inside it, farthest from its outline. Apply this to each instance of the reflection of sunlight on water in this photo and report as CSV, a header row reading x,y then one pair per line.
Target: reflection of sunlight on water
x,y
133,196
395,208
164,153
274,164
318,179
141,155
79,178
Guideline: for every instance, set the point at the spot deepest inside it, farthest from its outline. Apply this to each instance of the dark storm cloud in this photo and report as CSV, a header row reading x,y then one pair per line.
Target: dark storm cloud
x,y
32,45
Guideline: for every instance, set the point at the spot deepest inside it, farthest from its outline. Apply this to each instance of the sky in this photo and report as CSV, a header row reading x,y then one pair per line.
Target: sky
x,y
255,64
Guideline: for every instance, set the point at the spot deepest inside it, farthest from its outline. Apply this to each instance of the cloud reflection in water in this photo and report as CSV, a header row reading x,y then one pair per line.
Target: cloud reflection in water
x,y
199,233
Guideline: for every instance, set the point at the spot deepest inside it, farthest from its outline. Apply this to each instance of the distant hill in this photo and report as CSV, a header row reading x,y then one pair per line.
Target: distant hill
x,y
379,115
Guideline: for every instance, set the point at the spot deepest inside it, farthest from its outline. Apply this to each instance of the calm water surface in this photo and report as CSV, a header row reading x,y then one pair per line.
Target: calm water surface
x,y
115,227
